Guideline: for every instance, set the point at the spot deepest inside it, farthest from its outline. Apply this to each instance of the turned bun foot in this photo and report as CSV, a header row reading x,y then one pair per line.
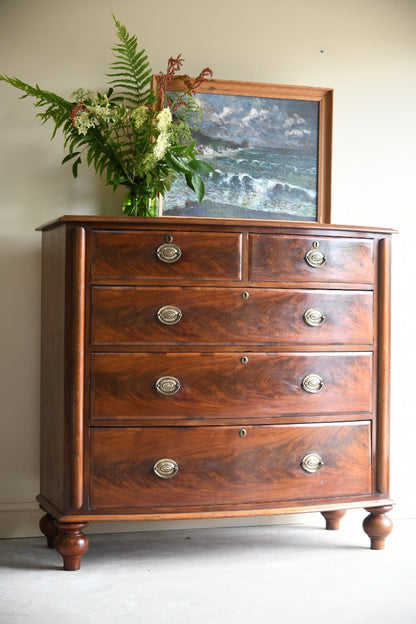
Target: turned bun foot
x,y
71,543
48,528
333,518
378,526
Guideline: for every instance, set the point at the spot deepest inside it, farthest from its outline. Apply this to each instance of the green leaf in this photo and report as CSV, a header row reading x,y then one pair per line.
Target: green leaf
x,y
200,166
69,157
108,179
177,164
75,167
131,74
116,180
57,108
197,185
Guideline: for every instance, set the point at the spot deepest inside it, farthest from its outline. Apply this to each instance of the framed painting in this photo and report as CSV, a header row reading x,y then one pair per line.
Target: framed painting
x,y
270,146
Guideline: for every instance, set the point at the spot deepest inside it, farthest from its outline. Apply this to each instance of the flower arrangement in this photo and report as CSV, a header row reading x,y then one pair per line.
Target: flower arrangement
x,y
137,134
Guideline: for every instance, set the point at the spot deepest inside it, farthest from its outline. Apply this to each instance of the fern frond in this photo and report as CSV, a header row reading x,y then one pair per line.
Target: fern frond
x,y
187,115
130,74
58,108
186,109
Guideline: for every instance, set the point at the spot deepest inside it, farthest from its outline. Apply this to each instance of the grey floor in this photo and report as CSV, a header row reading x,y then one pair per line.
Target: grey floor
x,y
296,573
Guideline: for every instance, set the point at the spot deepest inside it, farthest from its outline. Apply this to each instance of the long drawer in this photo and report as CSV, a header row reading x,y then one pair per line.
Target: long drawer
x,y
159,254
142,315
153,468
216,385
303,258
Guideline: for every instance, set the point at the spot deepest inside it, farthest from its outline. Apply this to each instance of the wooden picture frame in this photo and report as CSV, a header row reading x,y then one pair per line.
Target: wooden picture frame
x,y
271,146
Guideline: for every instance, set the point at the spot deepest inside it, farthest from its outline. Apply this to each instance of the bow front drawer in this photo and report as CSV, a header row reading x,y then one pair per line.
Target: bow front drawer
x,y
177,466
142,315
146,386
303,258
161,254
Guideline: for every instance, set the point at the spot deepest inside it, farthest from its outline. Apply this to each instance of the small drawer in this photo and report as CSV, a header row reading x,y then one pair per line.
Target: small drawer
x,y
155,386
162,254
303,258
154,467
143,315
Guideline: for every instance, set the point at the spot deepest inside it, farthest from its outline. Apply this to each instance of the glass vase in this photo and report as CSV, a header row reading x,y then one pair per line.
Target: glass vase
x,y
139,203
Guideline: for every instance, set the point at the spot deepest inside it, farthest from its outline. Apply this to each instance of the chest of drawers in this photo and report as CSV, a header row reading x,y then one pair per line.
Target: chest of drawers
x,y
207,368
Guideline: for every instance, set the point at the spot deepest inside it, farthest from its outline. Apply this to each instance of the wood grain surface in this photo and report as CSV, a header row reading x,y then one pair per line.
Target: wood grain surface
x,y
219,466
128,315
218,385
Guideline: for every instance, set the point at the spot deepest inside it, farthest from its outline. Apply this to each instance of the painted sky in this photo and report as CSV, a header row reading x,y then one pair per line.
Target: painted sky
x,y
262,122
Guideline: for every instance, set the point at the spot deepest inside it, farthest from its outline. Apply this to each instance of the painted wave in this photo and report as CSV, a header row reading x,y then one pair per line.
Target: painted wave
x,y
253,179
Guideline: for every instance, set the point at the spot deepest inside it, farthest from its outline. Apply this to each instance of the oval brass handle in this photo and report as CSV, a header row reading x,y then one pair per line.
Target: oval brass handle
x,y
168,252
312,462
168,385
169,315
314,317
312,383
315,257
165,468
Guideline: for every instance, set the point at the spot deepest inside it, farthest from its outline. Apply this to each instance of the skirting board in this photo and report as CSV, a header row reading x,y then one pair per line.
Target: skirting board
x,y
22,520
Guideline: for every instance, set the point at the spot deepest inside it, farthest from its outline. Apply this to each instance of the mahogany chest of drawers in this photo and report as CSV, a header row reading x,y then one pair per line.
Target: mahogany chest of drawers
x,y
204,368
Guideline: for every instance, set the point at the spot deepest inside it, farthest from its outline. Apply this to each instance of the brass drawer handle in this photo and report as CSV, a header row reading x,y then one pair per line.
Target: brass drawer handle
x,y
312,383
168,385
312,462
315,257
314,317
168,252
169,315
165,468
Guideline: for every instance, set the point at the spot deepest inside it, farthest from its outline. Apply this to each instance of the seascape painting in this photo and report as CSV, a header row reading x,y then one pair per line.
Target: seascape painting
x,y
265,155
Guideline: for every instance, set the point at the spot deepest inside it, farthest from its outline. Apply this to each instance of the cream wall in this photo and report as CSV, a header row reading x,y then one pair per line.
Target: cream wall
x,y
364,49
